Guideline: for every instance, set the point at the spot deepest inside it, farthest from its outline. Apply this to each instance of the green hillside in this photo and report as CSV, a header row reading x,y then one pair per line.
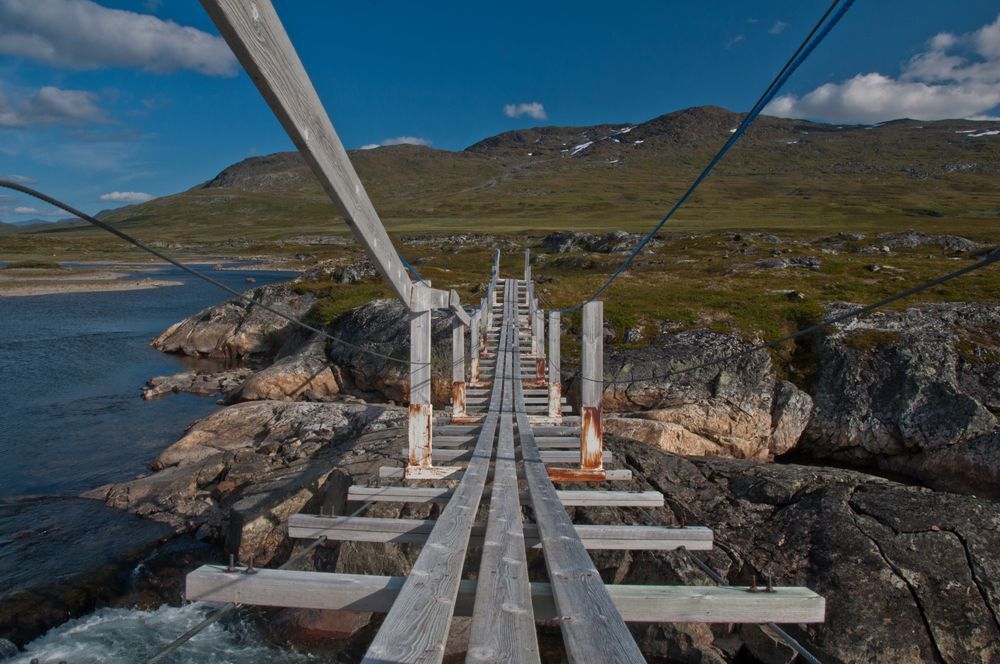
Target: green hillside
x,y
784,175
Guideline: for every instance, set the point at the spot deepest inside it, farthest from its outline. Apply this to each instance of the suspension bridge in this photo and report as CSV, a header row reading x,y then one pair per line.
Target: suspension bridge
x,y
495,462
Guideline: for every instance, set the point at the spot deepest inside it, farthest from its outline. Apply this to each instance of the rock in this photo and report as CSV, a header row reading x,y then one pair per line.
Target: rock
x,y
305,375
360,270
383,326
237,330
7,649
790,413
255,424
633,335
909,575
238,474
310,625
202,384
719,409
765,646
562,242
911,391
810,262
913,239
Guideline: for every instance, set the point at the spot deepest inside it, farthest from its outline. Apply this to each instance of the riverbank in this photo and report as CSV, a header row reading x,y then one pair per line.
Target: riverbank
x,y
27,282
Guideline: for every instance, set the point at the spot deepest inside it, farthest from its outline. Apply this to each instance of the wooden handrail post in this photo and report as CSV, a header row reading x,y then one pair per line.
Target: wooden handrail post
x,y
592,388
421,410
538,337
527,266
554,378
457,369
474,345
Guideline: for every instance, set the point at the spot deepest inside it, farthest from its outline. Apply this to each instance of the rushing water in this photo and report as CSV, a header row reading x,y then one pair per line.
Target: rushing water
x,y
71,419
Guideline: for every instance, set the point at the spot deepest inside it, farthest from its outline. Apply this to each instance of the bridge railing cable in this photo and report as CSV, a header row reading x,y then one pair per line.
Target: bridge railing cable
x,y
830,18
200,275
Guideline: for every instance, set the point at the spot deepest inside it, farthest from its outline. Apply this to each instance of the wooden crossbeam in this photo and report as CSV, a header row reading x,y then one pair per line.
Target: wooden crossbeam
x,y
415,531
568,498
637,604
455,473
548,456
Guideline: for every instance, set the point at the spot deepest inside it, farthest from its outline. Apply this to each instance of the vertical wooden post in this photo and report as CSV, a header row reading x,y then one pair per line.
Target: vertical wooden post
x,y
457,369
421,410
527,265
592,388
538,334
474,345
554,378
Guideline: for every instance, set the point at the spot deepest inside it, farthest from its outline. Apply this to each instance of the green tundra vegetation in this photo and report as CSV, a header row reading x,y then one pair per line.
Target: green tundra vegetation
x,y
798,181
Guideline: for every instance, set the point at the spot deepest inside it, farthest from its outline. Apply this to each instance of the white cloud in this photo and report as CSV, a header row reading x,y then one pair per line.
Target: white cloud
x,y
956,76
24,179
126,196
398,140
26,210
734,41
52,106
534,110
80,34
777,28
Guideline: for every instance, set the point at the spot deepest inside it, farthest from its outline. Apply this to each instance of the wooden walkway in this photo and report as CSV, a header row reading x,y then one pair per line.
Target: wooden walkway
x,y
502,458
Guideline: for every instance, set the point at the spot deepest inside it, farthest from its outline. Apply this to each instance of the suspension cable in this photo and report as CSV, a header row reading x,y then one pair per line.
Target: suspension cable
x,y
815,36
204,277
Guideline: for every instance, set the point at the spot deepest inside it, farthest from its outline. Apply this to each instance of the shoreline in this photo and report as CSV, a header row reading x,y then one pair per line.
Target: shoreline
x,y
107,286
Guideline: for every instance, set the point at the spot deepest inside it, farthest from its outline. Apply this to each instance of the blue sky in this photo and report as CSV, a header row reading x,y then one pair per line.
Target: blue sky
x,y
103,107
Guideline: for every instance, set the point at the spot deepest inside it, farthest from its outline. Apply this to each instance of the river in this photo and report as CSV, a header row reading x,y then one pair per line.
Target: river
x,y
72,418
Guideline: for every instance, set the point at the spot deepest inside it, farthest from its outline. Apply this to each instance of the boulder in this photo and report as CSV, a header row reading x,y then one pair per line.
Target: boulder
x,y
304,375
790,414
911,391
237,330
689,408
383,326
909,574
194,382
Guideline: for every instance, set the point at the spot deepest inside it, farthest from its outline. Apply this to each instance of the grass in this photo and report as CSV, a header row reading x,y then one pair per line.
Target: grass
x,y
32,264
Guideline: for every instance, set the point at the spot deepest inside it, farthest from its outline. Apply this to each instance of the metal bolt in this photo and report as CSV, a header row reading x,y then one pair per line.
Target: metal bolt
x,y
753,585
250,569
232,565
770,585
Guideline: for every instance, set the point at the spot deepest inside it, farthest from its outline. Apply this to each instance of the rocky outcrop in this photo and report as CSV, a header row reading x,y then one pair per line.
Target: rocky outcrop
x,y
676,404
239,473
615,242
910,575
383,326
237,330
304,375
193,382
912,391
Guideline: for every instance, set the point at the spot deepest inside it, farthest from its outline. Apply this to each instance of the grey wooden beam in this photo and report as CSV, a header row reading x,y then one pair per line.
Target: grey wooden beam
x,y
569,498
634,603
258,39
416,531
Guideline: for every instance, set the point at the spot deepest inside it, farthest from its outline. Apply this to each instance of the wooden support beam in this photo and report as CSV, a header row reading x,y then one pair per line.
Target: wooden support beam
x,y
474,344
415,531
416,627
377,594
593,630
259,41
554,374
547,456
456,472
421,412
592,386
407,494
457,368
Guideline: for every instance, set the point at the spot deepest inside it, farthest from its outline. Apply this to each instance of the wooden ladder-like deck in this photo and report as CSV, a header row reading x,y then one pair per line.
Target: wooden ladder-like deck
x,y
504,457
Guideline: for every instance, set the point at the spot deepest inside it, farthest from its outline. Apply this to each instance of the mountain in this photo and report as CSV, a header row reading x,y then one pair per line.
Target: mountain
x,y
7,228
782,174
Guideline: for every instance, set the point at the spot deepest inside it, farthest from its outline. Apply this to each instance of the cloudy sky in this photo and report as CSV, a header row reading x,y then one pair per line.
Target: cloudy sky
x,y
113,102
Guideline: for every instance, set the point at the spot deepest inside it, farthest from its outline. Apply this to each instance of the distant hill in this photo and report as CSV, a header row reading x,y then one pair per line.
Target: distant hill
x,y
7,228
783,173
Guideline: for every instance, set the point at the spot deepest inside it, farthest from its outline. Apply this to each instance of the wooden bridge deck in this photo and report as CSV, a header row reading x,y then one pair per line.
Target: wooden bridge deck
x,y
504,457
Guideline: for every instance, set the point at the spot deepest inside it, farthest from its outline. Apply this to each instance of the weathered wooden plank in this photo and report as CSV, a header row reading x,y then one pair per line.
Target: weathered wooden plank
x,y
635,603
416,628
593,630
415,531
456,472
503,623
547,456
259,41
569,498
